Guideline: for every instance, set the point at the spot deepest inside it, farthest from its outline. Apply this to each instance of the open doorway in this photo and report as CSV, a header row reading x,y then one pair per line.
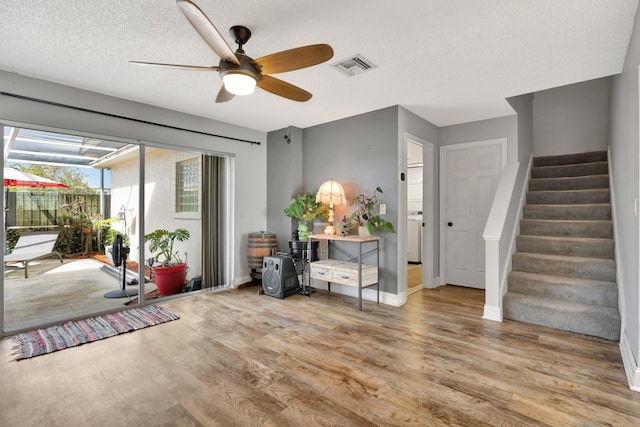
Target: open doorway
x,y
415,208
59,224
418,208
105,189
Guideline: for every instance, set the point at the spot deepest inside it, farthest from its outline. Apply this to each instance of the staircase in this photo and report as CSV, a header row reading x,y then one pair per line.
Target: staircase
x,y
563,271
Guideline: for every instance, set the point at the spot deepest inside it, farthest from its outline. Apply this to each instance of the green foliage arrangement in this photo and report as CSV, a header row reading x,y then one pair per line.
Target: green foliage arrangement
x,y
364,213
161,241
304,208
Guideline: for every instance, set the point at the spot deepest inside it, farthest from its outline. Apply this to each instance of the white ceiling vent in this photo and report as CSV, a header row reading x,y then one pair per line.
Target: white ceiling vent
x,y
356,64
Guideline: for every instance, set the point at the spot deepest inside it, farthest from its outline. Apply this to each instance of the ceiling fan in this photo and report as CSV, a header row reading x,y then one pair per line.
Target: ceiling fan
x,y
240,73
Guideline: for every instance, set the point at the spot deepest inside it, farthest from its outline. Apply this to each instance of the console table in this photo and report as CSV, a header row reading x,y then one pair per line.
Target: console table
x,y
351,272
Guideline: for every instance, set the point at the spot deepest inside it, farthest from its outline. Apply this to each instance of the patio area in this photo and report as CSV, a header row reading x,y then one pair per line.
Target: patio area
x,y
55,292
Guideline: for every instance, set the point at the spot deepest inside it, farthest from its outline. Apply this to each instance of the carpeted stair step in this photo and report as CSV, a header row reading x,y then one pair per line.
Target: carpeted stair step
x,y
569,183
569,246
596,168
594,320
570,228
596,211
570,159
585,291
565,197
569,266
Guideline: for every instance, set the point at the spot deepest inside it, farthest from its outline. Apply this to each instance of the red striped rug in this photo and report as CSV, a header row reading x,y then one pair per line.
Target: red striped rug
x,y
47,340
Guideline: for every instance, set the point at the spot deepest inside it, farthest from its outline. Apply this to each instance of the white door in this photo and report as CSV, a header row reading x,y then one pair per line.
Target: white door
x,y
472,176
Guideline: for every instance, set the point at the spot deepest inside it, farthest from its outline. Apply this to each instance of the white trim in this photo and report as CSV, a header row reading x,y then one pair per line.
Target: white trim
x,y
240,281
401,227
444,150
616,238
630,365
229,212
492,312
368,294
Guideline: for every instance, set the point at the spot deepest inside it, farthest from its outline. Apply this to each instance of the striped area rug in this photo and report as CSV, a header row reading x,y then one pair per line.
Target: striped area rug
x,y
47,340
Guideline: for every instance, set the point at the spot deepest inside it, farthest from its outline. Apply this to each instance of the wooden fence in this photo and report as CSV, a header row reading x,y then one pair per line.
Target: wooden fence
x,y
28,208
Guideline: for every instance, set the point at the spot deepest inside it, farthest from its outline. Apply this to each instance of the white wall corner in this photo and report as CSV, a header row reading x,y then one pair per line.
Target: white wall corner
x,y
629,362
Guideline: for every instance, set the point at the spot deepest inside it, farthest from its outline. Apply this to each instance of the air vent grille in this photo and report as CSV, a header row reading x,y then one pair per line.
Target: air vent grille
x,y
356,64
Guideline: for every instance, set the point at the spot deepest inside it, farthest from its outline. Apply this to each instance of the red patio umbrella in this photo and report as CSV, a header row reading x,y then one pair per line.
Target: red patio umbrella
x,y
17,178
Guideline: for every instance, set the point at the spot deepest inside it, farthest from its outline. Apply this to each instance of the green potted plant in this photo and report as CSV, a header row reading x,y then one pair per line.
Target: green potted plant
x,y
305,209
364,214
168,268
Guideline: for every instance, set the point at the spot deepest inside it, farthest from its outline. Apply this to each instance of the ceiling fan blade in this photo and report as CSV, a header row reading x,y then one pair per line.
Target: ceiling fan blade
x,y
294,59
284,89
177,66
224,95
207,30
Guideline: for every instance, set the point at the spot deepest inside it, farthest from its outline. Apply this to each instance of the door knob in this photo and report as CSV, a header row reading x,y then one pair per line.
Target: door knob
x,y
450,224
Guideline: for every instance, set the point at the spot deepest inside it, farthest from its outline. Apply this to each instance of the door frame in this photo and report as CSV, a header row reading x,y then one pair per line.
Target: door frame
x,y
444,150
428,212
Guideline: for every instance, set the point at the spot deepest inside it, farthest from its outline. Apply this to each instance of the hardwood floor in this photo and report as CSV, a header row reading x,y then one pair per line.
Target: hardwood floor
x,y
237,358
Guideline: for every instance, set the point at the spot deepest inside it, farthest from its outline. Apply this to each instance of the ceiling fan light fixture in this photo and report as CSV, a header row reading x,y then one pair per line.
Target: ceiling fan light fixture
x,y
239,83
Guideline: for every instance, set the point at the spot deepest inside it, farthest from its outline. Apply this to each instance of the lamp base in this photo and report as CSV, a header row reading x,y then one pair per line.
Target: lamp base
x,y
330,229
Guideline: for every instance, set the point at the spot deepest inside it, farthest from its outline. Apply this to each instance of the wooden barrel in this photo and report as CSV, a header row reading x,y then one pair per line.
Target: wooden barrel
x,y
260,244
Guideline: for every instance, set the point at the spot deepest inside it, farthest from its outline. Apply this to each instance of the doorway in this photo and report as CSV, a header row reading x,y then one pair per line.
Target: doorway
x,y
415,208
469,175
417,214
111,185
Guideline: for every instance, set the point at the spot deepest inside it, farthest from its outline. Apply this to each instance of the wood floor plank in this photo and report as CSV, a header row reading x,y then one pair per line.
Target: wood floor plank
x,y
239,358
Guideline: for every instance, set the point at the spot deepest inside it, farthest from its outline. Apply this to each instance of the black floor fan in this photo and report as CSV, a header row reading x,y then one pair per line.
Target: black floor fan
x,y
120,253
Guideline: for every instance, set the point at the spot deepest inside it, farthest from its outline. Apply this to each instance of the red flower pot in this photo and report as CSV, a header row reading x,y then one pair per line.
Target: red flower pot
x,y
170,280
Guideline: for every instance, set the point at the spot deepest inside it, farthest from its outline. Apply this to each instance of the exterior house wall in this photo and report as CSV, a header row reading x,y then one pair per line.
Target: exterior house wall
x,y
160,180
160,199
124,193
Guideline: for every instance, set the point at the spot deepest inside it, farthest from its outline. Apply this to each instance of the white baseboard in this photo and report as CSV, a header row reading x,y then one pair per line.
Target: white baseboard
x,y
630,364
368,294
240,280
492,312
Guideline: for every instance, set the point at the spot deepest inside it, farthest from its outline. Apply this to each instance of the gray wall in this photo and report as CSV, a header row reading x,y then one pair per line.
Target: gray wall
x,y
523,106
284,181
501,127
624,166
361,153
572,119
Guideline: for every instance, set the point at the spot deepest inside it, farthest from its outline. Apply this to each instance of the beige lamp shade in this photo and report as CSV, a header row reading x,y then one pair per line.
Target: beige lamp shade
x,y
331,192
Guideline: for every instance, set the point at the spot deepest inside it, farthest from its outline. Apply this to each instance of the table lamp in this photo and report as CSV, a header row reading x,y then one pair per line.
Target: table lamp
x,y
331,192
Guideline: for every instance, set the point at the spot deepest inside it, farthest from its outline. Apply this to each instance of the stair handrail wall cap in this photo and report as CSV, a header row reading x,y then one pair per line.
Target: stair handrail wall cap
x,y
499,211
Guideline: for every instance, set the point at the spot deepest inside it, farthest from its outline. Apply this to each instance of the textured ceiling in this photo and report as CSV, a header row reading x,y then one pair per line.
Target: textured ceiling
x,y
448,61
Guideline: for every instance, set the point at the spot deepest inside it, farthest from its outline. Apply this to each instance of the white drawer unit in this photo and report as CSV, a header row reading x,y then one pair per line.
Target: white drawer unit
x,y
346,273
343,272
323,270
